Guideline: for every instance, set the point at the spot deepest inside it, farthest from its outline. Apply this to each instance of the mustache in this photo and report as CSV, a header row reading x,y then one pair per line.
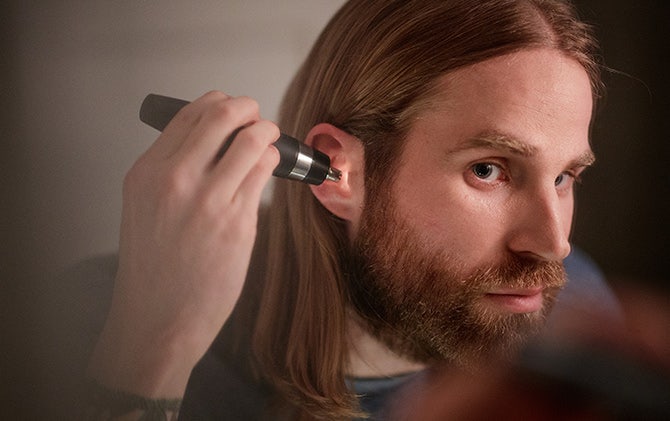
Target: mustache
x,y
519,272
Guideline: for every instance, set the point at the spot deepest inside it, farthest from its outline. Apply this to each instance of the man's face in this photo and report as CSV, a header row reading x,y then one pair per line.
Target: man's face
x,y
460,257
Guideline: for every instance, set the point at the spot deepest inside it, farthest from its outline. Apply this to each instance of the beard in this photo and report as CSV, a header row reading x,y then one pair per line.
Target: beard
x,y
425,306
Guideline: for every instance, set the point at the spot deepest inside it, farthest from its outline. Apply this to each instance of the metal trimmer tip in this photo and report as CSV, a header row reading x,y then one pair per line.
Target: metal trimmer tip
x,y
334,174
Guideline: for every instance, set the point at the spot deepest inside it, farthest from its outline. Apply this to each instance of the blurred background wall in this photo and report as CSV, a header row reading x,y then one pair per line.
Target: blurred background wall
x,y
74,75
622,210
80,71
75,72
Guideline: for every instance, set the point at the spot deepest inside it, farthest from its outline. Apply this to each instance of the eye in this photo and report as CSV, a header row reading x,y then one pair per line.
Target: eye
x,y
565,180
487,171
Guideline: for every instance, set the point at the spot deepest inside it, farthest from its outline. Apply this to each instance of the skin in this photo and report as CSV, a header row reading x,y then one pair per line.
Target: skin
x,y
183,211
541,100
510,191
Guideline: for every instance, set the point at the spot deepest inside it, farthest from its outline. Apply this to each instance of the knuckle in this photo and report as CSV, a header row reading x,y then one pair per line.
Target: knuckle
x,y
221,110
262,133
218,106
215,95
257,141
251,104
270,128
224,109
176,183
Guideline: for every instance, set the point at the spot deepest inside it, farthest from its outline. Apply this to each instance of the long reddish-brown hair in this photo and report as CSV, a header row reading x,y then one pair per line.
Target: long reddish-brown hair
x,y
372,70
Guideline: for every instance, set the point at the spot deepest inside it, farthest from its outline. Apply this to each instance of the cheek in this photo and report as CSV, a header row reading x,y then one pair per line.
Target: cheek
x,y
450,219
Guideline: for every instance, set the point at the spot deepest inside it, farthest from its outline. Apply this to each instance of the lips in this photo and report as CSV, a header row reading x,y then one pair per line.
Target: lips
x,y
516,300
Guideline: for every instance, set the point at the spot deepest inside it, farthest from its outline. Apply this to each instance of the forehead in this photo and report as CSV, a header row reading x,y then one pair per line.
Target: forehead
x,y
530,94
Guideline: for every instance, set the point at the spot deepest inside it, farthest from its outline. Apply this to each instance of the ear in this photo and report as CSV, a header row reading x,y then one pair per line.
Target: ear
x,y
345,197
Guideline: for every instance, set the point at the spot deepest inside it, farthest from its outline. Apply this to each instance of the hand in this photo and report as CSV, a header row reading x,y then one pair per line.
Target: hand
x,y
187,232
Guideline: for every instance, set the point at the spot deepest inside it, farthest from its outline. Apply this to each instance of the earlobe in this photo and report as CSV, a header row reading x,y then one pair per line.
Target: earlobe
x,y
344,198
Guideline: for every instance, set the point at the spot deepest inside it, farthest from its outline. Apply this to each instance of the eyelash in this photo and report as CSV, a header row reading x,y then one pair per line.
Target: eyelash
x,y
491,166
576,178
503,176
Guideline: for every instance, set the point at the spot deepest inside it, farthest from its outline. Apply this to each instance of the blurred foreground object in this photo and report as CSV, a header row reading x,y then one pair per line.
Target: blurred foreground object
x,y
591,368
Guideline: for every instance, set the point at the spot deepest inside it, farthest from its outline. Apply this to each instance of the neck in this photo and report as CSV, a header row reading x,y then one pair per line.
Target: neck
x,y
370,358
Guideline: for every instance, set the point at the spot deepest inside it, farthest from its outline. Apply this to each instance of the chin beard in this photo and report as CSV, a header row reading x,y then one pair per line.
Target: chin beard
x,y
421,306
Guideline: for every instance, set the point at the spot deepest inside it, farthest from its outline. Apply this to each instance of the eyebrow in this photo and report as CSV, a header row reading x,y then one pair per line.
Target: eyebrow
x,y
497,140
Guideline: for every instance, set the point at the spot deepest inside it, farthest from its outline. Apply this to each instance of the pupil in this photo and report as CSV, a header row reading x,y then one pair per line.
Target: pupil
x,y
483,170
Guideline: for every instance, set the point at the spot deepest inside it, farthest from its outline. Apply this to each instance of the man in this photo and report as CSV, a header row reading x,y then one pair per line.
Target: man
x,y
460,129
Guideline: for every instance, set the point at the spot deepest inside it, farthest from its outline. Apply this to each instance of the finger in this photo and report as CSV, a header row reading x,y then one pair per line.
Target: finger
x,y
217,122
251,189
186,119
249,146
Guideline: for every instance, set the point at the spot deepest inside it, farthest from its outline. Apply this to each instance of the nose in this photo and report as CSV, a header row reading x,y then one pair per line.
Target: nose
x,y
541,226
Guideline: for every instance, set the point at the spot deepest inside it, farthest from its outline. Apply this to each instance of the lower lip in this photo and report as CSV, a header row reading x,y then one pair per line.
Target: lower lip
x,y
527,303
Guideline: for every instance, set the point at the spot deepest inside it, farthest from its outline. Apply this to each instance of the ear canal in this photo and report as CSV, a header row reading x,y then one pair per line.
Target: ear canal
x,y
343,198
